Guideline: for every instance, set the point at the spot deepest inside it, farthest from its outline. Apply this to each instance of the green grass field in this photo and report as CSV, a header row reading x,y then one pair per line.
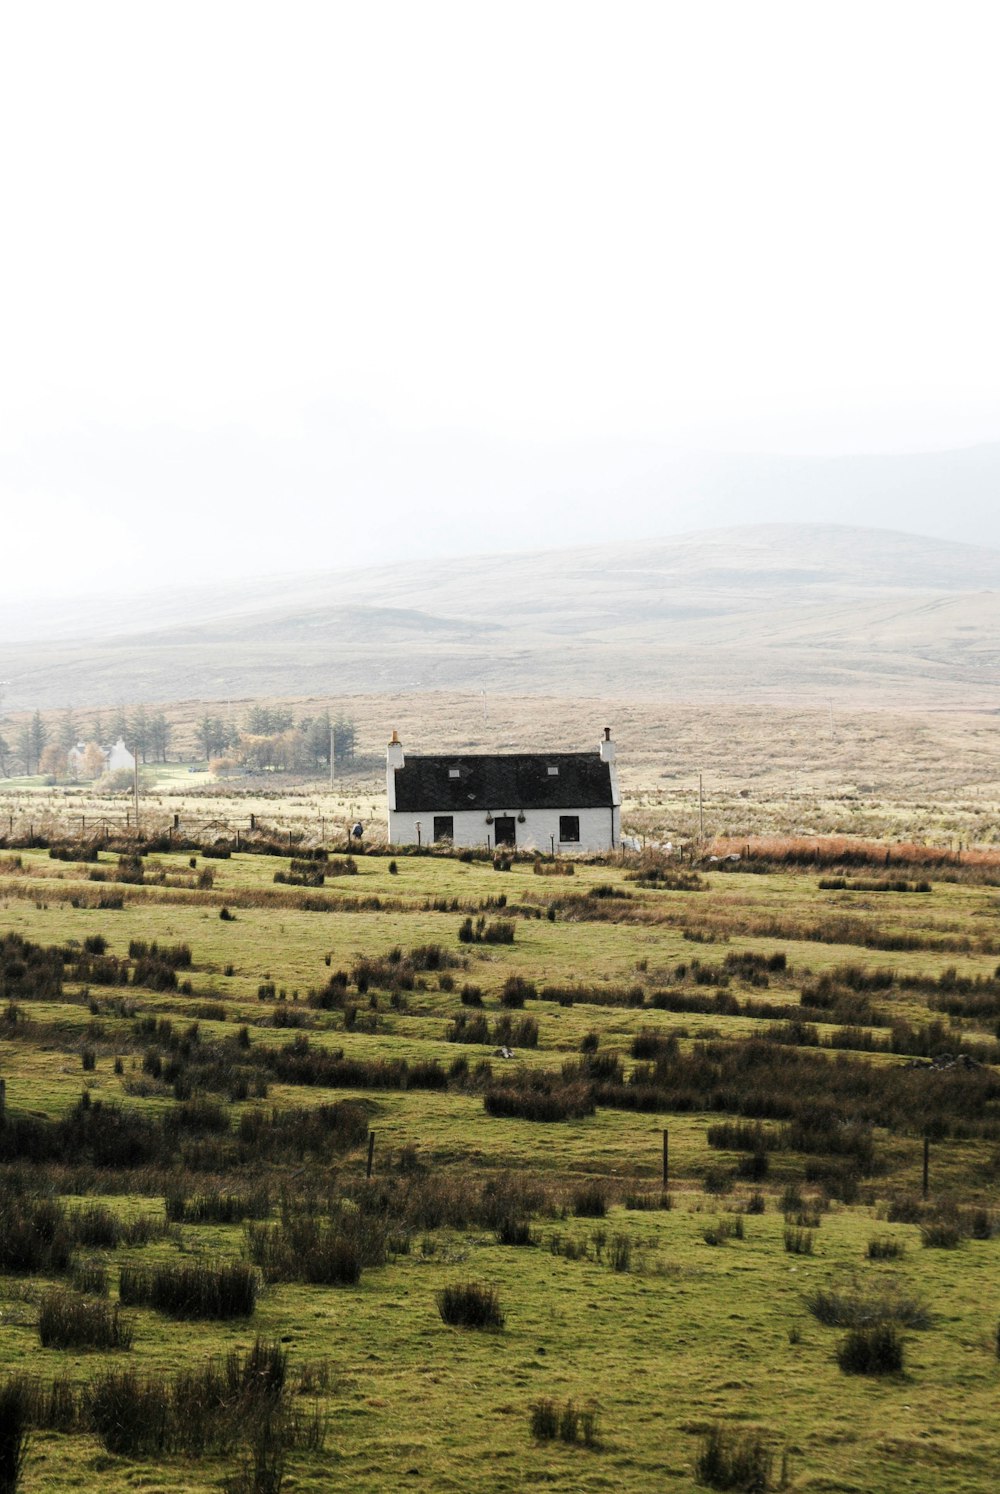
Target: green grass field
x,y
685,1333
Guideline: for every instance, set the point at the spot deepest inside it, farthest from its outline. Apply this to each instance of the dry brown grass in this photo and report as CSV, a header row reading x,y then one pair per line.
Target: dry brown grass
x,y
768,770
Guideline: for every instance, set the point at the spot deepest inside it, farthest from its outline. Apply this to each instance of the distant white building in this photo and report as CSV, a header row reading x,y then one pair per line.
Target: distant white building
x,y
544,801
116,757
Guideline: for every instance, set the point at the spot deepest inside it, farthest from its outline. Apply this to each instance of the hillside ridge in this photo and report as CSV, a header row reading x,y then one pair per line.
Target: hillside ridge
x,y
747,610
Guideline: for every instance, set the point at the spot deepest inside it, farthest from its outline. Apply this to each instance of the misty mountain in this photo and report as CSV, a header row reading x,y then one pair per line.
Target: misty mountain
x,y
156,514
755,612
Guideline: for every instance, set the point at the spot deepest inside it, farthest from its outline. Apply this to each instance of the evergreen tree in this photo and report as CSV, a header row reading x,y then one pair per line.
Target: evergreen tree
x,y
212,735
343,742
68,732
139,732
159,737
39,733
314,732
23,749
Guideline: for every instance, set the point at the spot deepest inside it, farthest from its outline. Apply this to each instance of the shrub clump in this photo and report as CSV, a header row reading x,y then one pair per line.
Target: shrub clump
x,y
195,1291
799,1241
14,1433
863,1306
941,1234
497,931
735,1458
68,1321
516,991
471,1304
885,1248
590,1202
873,1350
324,1252
539,1097
550,1420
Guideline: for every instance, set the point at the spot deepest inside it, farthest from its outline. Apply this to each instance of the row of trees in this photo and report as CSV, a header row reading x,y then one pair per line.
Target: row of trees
x,y
41,746
269,738
272,739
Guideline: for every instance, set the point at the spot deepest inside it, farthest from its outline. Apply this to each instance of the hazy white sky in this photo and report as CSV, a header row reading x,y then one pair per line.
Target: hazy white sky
x,y
289,285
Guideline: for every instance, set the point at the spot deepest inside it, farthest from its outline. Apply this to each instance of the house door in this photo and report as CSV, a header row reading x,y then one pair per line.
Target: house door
x,y
503,830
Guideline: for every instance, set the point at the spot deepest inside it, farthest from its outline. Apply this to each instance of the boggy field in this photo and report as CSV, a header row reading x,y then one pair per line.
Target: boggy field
x,y
202,1289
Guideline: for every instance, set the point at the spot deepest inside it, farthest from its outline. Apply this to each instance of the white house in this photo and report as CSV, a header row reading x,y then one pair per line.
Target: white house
x,y
545,801
116,757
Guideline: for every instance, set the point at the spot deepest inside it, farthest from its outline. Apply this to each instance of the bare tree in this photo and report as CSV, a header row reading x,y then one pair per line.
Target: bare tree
x,y
53,762
94,761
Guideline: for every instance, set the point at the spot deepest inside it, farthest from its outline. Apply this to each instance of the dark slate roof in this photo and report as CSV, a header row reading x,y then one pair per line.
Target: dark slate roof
x,y
516,781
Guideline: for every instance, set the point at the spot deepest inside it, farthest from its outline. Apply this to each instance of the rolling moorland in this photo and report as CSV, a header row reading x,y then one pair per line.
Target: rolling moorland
x,y
930,774
326,1166
201,1287
776,614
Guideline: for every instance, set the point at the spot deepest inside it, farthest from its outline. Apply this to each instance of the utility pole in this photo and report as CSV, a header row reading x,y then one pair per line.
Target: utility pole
x,y
331,756
135,783
833,734
701,809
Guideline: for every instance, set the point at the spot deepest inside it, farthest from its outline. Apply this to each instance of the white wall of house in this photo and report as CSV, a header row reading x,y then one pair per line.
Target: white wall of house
x,y
119,757
600,829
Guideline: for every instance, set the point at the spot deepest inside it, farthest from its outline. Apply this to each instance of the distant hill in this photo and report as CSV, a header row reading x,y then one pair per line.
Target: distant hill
x,y
760,612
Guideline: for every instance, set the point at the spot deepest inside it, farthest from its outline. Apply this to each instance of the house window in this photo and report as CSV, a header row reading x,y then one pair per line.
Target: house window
x,y
444,827
454,772
553,770
569,827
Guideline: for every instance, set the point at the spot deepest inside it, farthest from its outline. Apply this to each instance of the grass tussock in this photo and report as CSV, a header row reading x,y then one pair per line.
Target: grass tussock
x,y
14,1434
798,1241
217,1208
885,1248
737,1458
90,1277
329,1250
941,1234
861,1305
192,1291
876,1349
69,1321
537,1096
590,1201
471,1304
551,1419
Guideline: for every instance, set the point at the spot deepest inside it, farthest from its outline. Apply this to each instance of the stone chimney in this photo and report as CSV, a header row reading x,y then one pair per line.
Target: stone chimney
x,y
607,747
394,752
